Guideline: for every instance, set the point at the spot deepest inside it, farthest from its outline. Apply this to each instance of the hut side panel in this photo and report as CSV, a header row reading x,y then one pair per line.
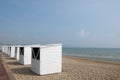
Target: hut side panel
x,y
5,50
17,54
12,52
51,60
2,48
27,55
9,51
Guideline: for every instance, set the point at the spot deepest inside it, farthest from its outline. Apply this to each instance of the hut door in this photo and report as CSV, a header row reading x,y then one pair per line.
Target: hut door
x,y
36,53
21,50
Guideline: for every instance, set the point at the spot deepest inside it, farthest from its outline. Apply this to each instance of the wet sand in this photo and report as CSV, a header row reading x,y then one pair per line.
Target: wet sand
x,y
73,69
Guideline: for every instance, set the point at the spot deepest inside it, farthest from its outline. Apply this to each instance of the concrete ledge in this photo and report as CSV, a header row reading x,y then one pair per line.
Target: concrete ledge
x,y
9,72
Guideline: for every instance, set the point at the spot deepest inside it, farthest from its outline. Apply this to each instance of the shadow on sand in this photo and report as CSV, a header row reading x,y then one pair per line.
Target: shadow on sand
x,y
9,58
13,63
23,71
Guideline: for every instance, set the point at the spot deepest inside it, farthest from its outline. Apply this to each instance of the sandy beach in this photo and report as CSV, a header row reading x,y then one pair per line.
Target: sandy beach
x,y
73,69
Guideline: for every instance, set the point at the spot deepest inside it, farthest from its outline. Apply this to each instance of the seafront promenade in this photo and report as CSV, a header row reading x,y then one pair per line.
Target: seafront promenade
x,y
3,73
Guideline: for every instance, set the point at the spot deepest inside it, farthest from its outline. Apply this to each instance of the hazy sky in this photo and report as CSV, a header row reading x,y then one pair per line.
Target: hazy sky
x,y
75,23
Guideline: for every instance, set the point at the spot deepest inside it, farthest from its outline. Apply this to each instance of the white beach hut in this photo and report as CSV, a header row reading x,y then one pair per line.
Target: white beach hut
x,y
6,49
9,51
47,59
17,52
3,49
12,51
25,55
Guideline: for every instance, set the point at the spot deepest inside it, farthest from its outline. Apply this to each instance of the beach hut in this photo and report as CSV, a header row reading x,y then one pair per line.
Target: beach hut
x,y
5,49
9,51
17,52
12,51
47,59
25,55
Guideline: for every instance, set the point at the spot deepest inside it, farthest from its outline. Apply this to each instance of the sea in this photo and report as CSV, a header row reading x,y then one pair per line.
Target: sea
x,y
108,54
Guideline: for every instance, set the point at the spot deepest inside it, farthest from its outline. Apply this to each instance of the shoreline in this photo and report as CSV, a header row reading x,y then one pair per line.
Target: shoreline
x,y
90,59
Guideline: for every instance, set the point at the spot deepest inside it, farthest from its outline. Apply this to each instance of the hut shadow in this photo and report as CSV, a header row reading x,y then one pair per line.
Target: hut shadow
x,y
5,55
10,58
23,71
13,63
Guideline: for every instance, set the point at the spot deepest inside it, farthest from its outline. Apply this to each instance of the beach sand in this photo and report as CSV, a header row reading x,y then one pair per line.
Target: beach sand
x,y
72,69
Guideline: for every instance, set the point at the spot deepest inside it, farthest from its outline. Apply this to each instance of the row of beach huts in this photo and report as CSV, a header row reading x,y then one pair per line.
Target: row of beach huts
x,y
44,59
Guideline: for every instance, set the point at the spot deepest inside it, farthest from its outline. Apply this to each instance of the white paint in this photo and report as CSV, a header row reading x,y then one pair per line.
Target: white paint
x,y
17,53
5,49
26,58
12,54
9,51
50,60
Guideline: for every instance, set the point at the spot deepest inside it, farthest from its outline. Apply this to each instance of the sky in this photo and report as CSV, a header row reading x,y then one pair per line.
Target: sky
x,y
74,23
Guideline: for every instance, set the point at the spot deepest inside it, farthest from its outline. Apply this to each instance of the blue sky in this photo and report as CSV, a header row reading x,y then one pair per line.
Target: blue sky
x,y
75,23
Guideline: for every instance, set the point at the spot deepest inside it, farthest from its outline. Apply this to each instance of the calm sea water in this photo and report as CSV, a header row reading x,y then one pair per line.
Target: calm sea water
x,y
111,54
